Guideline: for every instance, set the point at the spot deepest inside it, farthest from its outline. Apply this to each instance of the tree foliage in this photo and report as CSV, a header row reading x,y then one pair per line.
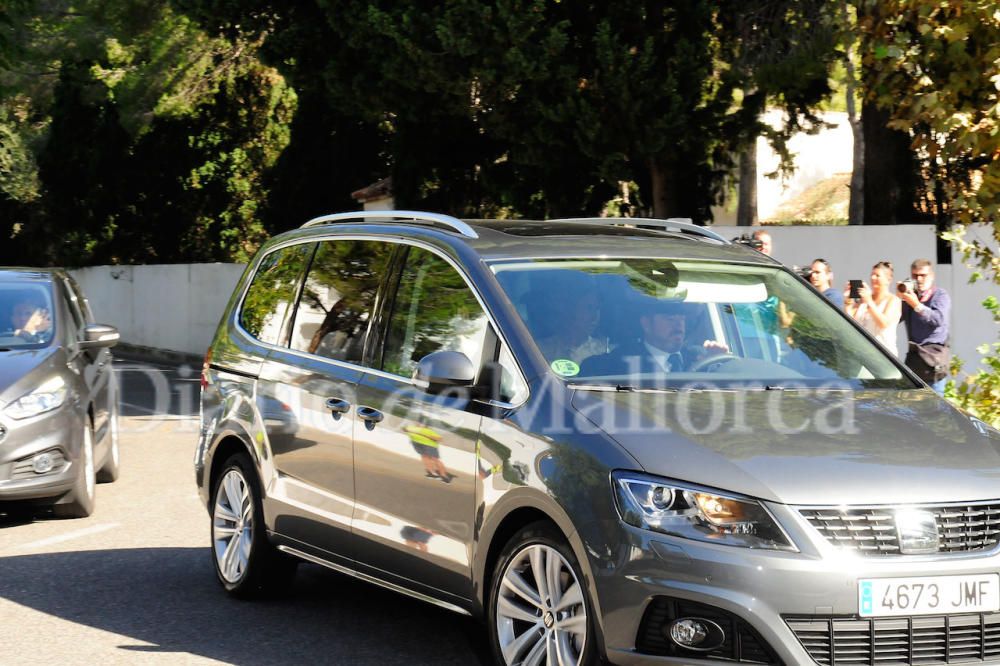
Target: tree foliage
x,y
936,74
935,69
979,394
129,134
538,108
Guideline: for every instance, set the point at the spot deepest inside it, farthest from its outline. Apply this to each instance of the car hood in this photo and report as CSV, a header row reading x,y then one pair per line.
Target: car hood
x,y
806,448
21,370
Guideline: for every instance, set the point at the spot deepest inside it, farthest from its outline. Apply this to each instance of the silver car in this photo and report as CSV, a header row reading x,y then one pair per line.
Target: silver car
x,y
622,440
58,401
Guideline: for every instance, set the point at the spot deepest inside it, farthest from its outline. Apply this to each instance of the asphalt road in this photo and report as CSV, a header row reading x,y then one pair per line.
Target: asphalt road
x,y
133,583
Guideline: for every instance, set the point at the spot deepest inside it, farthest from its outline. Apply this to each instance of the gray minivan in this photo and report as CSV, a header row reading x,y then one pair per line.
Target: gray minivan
x,y
58,396
612,439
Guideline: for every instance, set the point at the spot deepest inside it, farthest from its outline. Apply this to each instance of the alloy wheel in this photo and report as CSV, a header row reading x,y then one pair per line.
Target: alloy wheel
x,y
541,615
232,526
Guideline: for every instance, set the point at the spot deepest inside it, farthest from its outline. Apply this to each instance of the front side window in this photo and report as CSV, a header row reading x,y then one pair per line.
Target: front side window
x,y
652,322
272,291
27,318
434,310
512,386
338,298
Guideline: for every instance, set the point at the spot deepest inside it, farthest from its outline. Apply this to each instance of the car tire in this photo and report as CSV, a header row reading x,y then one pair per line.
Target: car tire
x,y
246,563
111,469
532,620
80,500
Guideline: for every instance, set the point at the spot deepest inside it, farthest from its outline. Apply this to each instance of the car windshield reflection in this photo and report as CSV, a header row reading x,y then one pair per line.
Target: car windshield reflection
x,y
633,324
27,317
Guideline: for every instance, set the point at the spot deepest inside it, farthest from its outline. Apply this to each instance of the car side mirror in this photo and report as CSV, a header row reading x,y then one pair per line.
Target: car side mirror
x,y
96,336
443,370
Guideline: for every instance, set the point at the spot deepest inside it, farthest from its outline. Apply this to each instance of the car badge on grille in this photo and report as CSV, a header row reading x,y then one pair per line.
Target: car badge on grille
x,y
918,532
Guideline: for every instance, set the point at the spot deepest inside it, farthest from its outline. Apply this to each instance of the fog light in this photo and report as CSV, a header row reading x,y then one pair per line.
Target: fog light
x,y
696,633
43,463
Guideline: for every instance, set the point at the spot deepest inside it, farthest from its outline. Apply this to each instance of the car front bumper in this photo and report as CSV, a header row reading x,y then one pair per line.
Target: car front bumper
x,y
767,589
58,432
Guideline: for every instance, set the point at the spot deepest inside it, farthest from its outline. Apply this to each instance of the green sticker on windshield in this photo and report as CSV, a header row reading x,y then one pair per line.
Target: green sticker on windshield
x,y
565,367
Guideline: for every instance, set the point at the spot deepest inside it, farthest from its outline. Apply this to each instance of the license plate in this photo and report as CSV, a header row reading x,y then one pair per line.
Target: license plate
x,y
931,595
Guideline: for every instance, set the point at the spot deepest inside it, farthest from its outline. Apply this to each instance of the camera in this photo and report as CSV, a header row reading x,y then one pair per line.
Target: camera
x,y
907,286
749,241
804,272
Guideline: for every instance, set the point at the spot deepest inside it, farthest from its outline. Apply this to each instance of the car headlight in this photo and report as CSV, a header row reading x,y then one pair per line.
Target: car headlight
x,y
45,398
692,513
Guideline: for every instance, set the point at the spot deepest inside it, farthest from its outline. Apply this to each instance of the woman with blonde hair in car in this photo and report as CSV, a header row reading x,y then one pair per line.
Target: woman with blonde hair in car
x,y
877,309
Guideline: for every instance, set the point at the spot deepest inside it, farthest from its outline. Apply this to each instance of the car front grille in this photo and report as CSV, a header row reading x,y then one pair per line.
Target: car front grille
x,y
957,639
872,530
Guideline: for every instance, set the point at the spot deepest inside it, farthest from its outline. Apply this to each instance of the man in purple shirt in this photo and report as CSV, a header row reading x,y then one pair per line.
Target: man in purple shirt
x,y
926,313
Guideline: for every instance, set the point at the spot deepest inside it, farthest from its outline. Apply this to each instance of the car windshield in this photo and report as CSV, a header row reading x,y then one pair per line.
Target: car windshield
x,y
26,315
655,323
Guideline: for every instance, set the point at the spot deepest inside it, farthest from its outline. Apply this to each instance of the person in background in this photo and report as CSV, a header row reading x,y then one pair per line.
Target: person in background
x,y
821,277
766,244
878,310
926,311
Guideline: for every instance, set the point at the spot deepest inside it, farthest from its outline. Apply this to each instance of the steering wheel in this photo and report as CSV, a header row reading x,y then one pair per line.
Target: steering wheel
x,y
720,359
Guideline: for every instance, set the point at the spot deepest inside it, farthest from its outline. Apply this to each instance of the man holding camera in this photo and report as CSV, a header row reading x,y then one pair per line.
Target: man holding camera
x,y
926,311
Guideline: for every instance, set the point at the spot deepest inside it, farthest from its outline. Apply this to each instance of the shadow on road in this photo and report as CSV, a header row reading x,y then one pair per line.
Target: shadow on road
x,y
157,391
167,600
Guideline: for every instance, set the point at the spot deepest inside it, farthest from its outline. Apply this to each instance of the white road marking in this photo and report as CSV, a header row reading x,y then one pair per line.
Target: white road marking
x,y
68,536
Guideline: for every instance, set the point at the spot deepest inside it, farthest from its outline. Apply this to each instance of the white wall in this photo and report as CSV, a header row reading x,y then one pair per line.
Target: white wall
x,y
172,306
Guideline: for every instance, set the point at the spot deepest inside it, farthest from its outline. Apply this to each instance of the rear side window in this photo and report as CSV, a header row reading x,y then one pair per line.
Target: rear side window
x,y
338,298
434,310
273,291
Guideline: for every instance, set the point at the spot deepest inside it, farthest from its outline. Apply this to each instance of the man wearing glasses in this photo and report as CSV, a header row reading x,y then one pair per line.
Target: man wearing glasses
x,y
926,312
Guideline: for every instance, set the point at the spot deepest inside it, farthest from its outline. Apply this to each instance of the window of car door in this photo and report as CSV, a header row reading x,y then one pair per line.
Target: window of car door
x,y
338,298
433,310
272,291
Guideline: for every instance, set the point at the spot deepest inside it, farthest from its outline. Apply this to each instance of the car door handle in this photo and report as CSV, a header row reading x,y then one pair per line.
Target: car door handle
x,y
370,416
338,407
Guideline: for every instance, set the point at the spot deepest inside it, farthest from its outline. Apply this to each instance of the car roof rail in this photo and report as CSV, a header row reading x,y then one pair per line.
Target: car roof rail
x,y
437,219
682,224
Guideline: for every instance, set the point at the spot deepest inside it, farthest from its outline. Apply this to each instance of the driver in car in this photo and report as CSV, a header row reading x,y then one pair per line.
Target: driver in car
x,y
30,321
661,348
